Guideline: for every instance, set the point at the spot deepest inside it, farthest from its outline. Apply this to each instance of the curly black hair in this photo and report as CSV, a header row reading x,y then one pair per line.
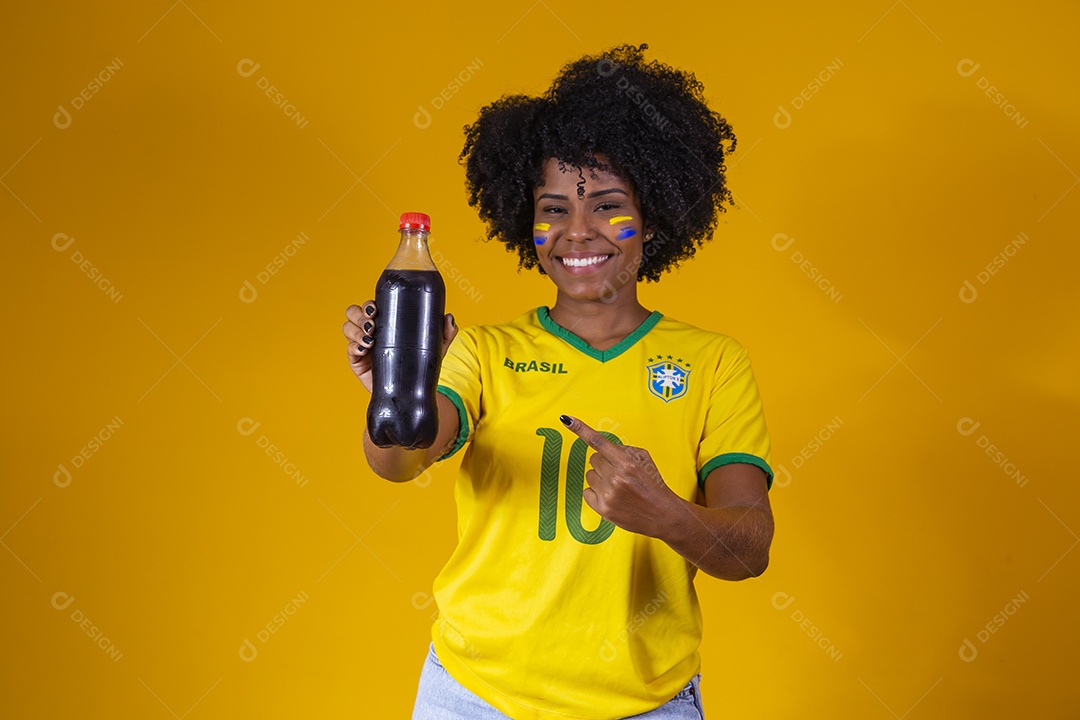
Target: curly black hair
x,y
651,122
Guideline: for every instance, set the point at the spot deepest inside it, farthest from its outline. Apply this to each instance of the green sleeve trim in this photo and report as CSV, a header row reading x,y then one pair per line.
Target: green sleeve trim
x,y
602,355
463,420
735,457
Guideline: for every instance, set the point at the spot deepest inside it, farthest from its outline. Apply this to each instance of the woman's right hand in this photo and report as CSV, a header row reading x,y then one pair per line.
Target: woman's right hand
x,y
359,328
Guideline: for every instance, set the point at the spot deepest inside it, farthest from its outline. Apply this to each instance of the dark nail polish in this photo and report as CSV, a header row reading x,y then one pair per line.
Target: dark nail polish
x,y
370,310
452,321
564,420
368,325
367,339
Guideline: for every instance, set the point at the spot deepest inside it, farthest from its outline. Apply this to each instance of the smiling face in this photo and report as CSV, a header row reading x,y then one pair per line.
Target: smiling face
x,y
590,246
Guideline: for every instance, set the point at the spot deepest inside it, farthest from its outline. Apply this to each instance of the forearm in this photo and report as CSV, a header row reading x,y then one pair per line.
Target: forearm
x,y
730,543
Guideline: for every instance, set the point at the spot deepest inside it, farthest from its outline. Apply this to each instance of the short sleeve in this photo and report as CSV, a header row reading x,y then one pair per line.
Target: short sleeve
x,y
459,380
735,430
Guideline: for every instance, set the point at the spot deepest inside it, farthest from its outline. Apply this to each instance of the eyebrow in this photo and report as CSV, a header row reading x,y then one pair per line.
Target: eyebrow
x,y
598,193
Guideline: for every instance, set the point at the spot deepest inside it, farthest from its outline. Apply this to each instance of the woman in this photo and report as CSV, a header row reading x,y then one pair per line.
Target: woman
x,y
570,593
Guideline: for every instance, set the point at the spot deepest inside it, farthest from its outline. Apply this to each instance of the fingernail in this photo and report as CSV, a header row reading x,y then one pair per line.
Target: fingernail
x,y
565,420
370,309
367,339
452,321
368,325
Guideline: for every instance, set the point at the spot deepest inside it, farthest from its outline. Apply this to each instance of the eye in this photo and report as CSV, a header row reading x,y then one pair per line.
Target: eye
x,y
606,206
554,209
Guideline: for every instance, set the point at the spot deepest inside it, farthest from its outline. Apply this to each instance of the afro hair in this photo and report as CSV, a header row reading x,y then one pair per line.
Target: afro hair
x,y
649,120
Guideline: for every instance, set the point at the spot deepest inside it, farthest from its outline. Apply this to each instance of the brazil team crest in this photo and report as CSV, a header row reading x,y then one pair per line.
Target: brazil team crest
x,y
667,378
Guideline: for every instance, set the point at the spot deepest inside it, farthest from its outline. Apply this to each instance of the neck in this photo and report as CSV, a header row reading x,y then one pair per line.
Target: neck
x,y
601,324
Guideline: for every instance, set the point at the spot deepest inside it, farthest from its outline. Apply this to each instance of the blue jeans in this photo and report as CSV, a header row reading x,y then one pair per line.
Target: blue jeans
x,y
441,697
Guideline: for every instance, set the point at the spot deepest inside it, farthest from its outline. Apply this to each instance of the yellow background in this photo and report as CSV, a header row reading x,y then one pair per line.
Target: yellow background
x,y
179,181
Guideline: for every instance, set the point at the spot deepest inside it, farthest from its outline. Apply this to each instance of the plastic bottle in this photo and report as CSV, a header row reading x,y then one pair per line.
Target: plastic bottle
x,y
410,300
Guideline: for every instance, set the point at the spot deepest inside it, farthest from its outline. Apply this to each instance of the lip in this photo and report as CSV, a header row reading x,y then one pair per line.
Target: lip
x,y
585,269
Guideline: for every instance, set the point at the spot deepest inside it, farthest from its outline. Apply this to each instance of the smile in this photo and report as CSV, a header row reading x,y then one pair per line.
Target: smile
x,y
583,262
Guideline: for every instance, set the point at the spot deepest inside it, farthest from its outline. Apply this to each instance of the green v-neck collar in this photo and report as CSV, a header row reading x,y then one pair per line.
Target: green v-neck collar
x,y
602,355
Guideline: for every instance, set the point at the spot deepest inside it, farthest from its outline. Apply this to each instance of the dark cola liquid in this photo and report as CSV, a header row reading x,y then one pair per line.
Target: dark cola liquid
x,y
407,357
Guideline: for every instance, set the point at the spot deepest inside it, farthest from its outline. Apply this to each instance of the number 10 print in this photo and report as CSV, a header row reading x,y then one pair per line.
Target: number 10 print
x,y
575,486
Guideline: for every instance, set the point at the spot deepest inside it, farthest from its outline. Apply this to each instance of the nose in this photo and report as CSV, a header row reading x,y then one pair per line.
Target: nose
x,y
579,228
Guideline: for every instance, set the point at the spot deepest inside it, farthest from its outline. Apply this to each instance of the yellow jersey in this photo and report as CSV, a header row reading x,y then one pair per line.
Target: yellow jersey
x,y
546,610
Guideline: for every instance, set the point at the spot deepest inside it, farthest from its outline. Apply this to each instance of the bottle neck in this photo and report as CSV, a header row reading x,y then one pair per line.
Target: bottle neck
x,y
412,252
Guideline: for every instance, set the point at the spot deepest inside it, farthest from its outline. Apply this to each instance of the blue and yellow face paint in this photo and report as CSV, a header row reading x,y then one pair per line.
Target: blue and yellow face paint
x,y
542,227
626,232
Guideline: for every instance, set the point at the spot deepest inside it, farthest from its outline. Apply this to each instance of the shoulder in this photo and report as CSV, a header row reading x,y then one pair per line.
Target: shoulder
x,y
522,329
526,323
721,345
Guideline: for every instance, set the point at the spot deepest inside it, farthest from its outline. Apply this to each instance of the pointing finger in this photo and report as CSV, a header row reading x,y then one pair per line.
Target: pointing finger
x,y
598,442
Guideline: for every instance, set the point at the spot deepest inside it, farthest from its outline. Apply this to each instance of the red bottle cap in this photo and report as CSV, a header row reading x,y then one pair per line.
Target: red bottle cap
x,y
415,220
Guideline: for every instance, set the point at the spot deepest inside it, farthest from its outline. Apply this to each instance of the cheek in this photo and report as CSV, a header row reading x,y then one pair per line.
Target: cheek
x,y
540,231
625,231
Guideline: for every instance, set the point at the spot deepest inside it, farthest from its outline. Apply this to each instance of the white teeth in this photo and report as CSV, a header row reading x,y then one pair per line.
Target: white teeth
x,y
583,262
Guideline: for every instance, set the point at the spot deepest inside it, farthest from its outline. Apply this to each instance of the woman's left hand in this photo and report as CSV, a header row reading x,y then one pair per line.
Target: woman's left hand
x,y
625,486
